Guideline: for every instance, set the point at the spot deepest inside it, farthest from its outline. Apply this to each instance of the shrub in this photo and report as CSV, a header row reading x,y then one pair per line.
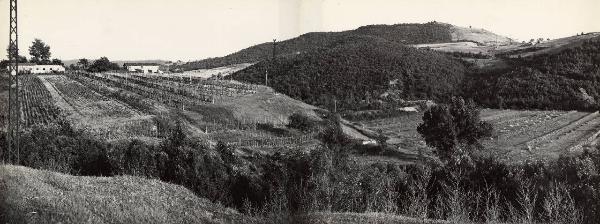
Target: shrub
x,y
301,122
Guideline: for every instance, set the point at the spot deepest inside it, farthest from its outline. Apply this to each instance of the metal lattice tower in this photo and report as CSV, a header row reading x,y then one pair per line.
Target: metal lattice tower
x,y
14,110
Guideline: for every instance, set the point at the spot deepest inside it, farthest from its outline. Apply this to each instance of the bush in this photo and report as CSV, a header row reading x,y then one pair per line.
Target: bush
x,y
301,122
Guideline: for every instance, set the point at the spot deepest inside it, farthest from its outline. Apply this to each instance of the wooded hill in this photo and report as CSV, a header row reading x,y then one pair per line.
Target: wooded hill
x,y
357,71
432,32
356,67
566,80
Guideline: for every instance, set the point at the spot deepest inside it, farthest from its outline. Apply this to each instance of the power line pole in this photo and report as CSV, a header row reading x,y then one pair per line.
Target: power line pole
x,y
14,111
274,48
272,62
266,77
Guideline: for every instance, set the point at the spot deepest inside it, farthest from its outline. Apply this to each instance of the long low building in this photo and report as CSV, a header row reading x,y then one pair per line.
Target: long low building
x,y
142,67
40,69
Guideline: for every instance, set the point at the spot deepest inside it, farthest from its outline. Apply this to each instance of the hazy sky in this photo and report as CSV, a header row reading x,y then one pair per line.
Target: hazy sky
x,y
196,29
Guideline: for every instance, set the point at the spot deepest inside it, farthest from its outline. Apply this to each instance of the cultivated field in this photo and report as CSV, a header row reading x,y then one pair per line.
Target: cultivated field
x,y
546,47
96,114
116,106
518,135
207,73
464,47
37,105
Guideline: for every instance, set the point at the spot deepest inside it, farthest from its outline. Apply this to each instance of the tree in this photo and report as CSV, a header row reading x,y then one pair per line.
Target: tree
x,y
444,127
39,51
102,65
83,63
57,61
20,58
301,122
381,139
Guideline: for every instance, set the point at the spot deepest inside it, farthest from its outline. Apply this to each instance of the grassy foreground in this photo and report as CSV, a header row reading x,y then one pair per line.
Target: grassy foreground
x,y
34,196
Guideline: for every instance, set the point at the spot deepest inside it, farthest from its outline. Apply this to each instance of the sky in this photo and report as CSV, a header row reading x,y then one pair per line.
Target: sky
x,y
196,29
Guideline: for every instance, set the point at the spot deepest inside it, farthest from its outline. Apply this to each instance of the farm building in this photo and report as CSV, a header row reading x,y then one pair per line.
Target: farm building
x,y
39,69
142,67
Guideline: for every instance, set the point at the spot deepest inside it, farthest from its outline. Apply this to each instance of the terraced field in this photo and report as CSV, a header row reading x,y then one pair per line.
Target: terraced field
x,y
518,135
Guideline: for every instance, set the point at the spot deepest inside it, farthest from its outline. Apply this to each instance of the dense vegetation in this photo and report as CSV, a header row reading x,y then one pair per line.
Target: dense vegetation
x,y
357,71
401,33
279,186
566,80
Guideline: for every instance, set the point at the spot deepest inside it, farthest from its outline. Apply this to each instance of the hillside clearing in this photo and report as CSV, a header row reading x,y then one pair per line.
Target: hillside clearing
x,y
34,196
464,47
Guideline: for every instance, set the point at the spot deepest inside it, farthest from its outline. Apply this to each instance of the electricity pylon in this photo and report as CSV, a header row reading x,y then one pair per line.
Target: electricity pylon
x,y
14,110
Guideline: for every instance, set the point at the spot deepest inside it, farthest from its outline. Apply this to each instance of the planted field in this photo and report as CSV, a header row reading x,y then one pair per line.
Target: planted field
x,y
207,73
518,135
216,110
37,105
98,115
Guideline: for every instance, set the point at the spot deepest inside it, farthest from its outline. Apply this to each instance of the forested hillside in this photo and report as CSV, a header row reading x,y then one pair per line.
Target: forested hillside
x,y
357,71
402,33
566,80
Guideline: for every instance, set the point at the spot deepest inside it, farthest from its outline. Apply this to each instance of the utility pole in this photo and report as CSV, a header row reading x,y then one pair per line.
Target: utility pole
x,y
266,77
335,106
14,111
274,48
272,62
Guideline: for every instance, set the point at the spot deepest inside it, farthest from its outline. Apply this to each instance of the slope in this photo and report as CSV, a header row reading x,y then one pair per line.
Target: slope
x,y
35,196
402,33
357,71
564,77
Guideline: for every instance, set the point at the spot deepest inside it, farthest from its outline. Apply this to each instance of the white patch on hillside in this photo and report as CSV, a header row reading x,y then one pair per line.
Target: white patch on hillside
x,y
478,35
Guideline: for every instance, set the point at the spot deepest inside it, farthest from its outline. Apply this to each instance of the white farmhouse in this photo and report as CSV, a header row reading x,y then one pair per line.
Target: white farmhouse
x,y
40,69
142,67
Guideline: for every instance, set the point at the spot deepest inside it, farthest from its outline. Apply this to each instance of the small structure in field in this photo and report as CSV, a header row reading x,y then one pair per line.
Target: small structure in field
x,y
40,69
142,67
409,109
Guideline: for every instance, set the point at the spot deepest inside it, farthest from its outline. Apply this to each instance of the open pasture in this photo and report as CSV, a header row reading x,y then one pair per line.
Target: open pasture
x,y
518,135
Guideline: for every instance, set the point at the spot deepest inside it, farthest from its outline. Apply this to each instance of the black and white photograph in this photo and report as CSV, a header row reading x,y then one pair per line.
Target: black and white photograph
x,y
300,111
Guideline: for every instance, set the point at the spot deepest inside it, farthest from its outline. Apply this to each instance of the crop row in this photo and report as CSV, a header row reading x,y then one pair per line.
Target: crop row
x,y
201,87
165,97
558,133
37,105
250,88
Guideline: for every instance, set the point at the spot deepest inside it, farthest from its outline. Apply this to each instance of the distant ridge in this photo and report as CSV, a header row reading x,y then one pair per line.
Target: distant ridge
x,y
410,33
